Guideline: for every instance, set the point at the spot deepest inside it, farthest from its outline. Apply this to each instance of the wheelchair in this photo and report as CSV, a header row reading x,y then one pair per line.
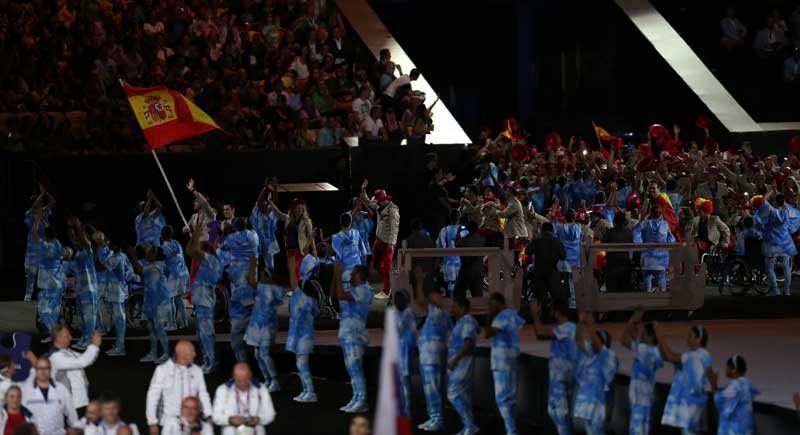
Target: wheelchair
x,y
741,274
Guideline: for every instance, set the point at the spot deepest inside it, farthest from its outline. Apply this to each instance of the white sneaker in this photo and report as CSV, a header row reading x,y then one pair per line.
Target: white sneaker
x,y
306,398
358,408
47,339
116,352
27,298
150,357
162,359
382,295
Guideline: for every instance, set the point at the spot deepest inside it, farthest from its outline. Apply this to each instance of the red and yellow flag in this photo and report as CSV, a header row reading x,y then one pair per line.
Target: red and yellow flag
x,y
602,133
166,116
668,212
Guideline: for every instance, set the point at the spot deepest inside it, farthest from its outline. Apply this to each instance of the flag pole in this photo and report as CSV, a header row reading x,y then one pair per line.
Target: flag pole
x,y
171,192
164,174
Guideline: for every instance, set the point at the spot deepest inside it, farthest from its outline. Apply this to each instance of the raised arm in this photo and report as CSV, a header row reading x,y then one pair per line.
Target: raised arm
x,y
666,352
51,201
80,234
36,222
205,207
629,334
281,215
158,207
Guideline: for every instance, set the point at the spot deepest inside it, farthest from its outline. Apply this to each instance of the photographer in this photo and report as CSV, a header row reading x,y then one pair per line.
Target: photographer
x,y
189,422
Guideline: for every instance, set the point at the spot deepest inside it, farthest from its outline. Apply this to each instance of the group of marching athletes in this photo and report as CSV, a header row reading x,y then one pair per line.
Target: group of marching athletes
x,y
582,364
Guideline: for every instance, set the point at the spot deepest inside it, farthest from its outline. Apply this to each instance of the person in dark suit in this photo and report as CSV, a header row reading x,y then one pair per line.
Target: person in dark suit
x,y
618,265
421,239
470,276
547,251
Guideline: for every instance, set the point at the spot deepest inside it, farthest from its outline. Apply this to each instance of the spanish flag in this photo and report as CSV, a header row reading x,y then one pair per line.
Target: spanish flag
x,y
166,116
668,213
602,133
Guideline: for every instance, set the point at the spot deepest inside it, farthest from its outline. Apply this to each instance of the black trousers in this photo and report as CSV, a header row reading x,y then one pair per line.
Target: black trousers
x,y
469,278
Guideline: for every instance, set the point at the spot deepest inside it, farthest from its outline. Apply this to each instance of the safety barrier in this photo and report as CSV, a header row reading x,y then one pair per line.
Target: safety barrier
x,y
685,277
500,272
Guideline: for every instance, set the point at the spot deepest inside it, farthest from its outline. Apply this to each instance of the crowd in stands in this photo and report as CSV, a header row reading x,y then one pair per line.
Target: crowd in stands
x,y
276,74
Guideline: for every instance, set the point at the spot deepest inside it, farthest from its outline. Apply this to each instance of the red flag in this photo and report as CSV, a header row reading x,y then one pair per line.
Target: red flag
x,y
668,212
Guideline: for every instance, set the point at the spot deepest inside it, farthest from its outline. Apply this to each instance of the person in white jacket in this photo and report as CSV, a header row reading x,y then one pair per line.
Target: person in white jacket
x,y
189,422
172,382
242,405
49,402
68,365
110,423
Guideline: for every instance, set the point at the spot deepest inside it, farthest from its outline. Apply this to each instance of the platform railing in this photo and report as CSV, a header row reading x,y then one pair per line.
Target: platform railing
x,y
500,270
685,280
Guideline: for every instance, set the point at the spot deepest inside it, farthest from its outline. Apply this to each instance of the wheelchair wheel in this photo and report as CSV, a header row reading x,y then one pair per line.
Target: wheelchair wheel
x,y
735,278
222,305
135,310
759,282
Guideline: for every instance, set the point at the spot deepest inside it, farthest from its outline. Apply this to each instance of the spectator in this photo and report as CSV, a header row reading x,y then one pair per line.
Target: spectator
x,y
733,31
402,84
372,127
770,41
12,413
50,403
387,227
189,422
68,365
709,228
109,422
714,190
172,382
7,369
359,425
229,412
362,106
791,67
91,415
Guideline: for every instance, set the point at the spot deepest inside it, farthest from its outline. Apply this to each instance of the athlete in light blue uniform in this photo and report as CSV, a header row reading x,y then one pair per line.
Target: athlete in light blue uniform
x,y
149,221
447,239
113,287
686,401
204,297
407,323
641,339
561,366
571,235
734,402
155,308
32,257
432,343
303,307
263,325
655,262
347,247
504,332
50,277
237,249
778,220
353,337
177,278
363,223
596,371
85,284
460,363
265,223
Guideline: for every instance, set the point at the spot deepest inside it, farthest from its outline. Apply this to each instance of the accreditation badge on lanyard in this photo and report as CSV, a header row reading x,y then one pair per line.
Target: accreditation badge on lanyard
x,y
243,406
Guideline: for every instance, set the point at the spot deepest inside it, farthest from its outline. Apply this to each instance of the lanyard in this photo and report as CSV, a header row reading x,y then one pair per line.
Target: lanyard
x,y
240,402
